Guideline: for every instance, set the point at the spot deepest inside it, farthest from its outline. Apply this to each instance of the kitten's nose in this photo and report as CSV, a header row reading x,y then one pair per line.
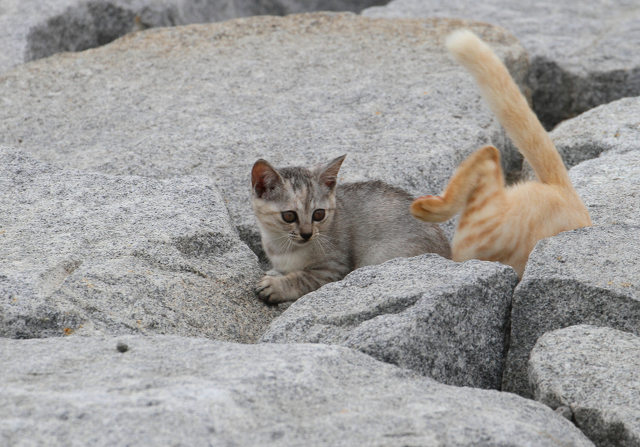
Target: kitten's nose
x,y
306,236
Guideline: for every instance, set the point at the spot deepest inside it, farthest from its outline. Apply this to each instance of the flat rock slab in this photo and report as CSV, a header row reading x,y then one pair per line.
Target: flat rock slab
x,y
212,99
443,319
31,29
594,372
94,253
586,276
581,55
188,391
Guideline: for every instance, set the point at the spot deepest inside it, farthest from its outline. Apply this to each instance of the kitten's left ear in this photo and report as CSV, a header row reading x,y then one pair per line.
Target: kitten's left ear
x,y
329,172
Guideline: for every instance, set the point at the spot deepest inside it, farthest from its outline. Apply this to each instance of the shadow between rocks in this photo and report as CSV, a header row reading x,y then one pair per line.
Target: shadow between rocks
x,y
96,23
558,95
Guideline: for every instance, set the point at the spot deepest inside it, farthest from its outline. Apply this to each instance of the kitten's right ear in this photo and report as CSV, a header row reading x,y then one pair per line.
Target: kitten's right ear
x,y
329,174
264,178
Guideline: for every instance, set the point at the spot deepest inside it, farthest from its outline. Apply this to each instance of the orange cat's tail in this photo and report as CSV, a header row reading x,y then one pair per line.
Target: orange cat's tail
x,y
510,106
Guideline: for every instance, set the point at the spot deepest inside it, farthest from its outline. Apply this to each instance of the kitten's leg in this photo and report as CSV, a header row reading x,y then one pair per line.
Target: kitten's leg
x,y
290,287
483,166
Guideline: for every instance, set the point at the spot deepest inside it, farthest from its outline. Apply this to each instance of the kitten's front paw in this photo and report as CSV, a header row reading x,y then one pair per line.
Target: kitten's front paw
x,y
272,290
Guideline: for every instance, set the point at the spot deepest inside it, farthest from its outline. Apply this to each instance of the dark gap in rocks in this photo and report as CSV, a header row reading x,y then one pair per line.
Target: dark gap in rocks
x,y
507,339
559,95
251,237
79,28
95,23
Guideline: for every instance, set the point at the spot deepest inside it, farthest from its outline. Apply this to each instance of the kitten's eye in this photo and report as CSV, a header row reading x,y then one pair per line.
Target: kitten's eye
x,y
318,215
289,216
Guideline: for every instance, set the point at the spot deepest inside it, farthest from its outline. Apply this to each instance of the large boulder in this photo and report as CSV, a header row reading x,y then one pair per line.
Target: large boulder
x,y
443,319
189,391
31,29
94,253
592,374
585,276
581,55
212,99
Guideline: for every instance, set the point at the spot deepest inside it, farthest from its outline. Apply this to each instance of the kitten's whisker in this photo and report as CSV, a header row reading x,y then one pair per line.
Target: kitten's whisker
x,y
284,243
289,244
317,241
326,240
325,245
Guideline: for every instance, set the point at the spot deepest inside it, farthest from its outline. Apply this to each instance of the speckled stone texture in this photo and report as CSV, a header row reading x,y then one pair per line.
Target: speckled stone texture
x,y
582,55
443,319
585,276
613,127
31,29
610,187
594,372
91,253
195,392
212,99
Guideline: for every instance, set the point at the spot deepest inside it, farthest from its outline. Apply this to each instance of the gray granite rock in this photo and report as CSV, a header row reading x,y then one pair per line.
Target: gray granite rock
x,y
31,29
586,276
613,128
610,187
95,253
212,99
595,372
609,128
195,392
582,55
443,319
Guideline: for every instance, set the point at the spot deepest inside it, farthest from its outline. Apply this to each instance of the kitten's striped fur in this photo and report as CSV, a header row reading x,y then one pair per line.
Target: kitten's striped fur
x,y
501,223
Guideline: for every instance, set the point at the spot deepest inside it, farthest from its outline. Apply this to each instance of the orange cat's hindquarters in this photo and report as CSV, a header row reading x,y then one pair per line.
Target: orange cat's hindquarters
x,y
506,231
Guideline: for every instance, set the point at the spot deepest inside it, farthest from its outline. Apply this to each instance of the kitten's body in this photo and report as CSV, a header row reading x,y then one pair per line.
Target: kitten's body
x,y
366,223
499,223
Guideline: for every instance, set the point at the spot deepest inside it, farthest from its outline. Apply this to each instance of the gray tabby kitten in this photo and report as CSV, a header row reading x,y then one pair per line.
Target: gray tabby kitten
x,y
315,232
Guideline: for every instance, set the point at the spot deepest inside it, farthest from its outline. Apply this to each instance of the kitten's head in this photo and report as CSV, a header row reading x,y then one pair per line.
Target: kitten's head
x,y
296,204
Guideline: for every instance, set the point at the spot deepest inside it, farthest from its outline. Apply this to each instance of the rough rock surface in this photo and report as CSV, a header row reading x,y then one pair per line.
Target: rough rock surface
x,y
610,187
610,128
31,29
95,253
212,99
613,128
585,276
581,56
443,319
186,391
595,373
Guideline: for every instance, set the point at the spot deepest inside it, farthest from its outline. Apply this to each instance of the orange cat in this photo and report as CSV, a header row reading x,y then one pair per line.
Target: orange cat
x,y
501,223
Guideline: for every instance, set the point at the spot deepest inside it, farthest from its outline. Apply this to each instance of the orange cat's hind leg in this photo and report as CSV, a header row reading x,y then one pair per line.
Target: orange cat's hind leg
x,y
483,163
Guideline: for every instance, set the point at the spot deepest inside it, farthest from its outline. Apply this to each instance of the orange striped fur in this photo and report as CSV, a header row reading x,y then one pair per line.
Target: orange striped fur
x,y
500,223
